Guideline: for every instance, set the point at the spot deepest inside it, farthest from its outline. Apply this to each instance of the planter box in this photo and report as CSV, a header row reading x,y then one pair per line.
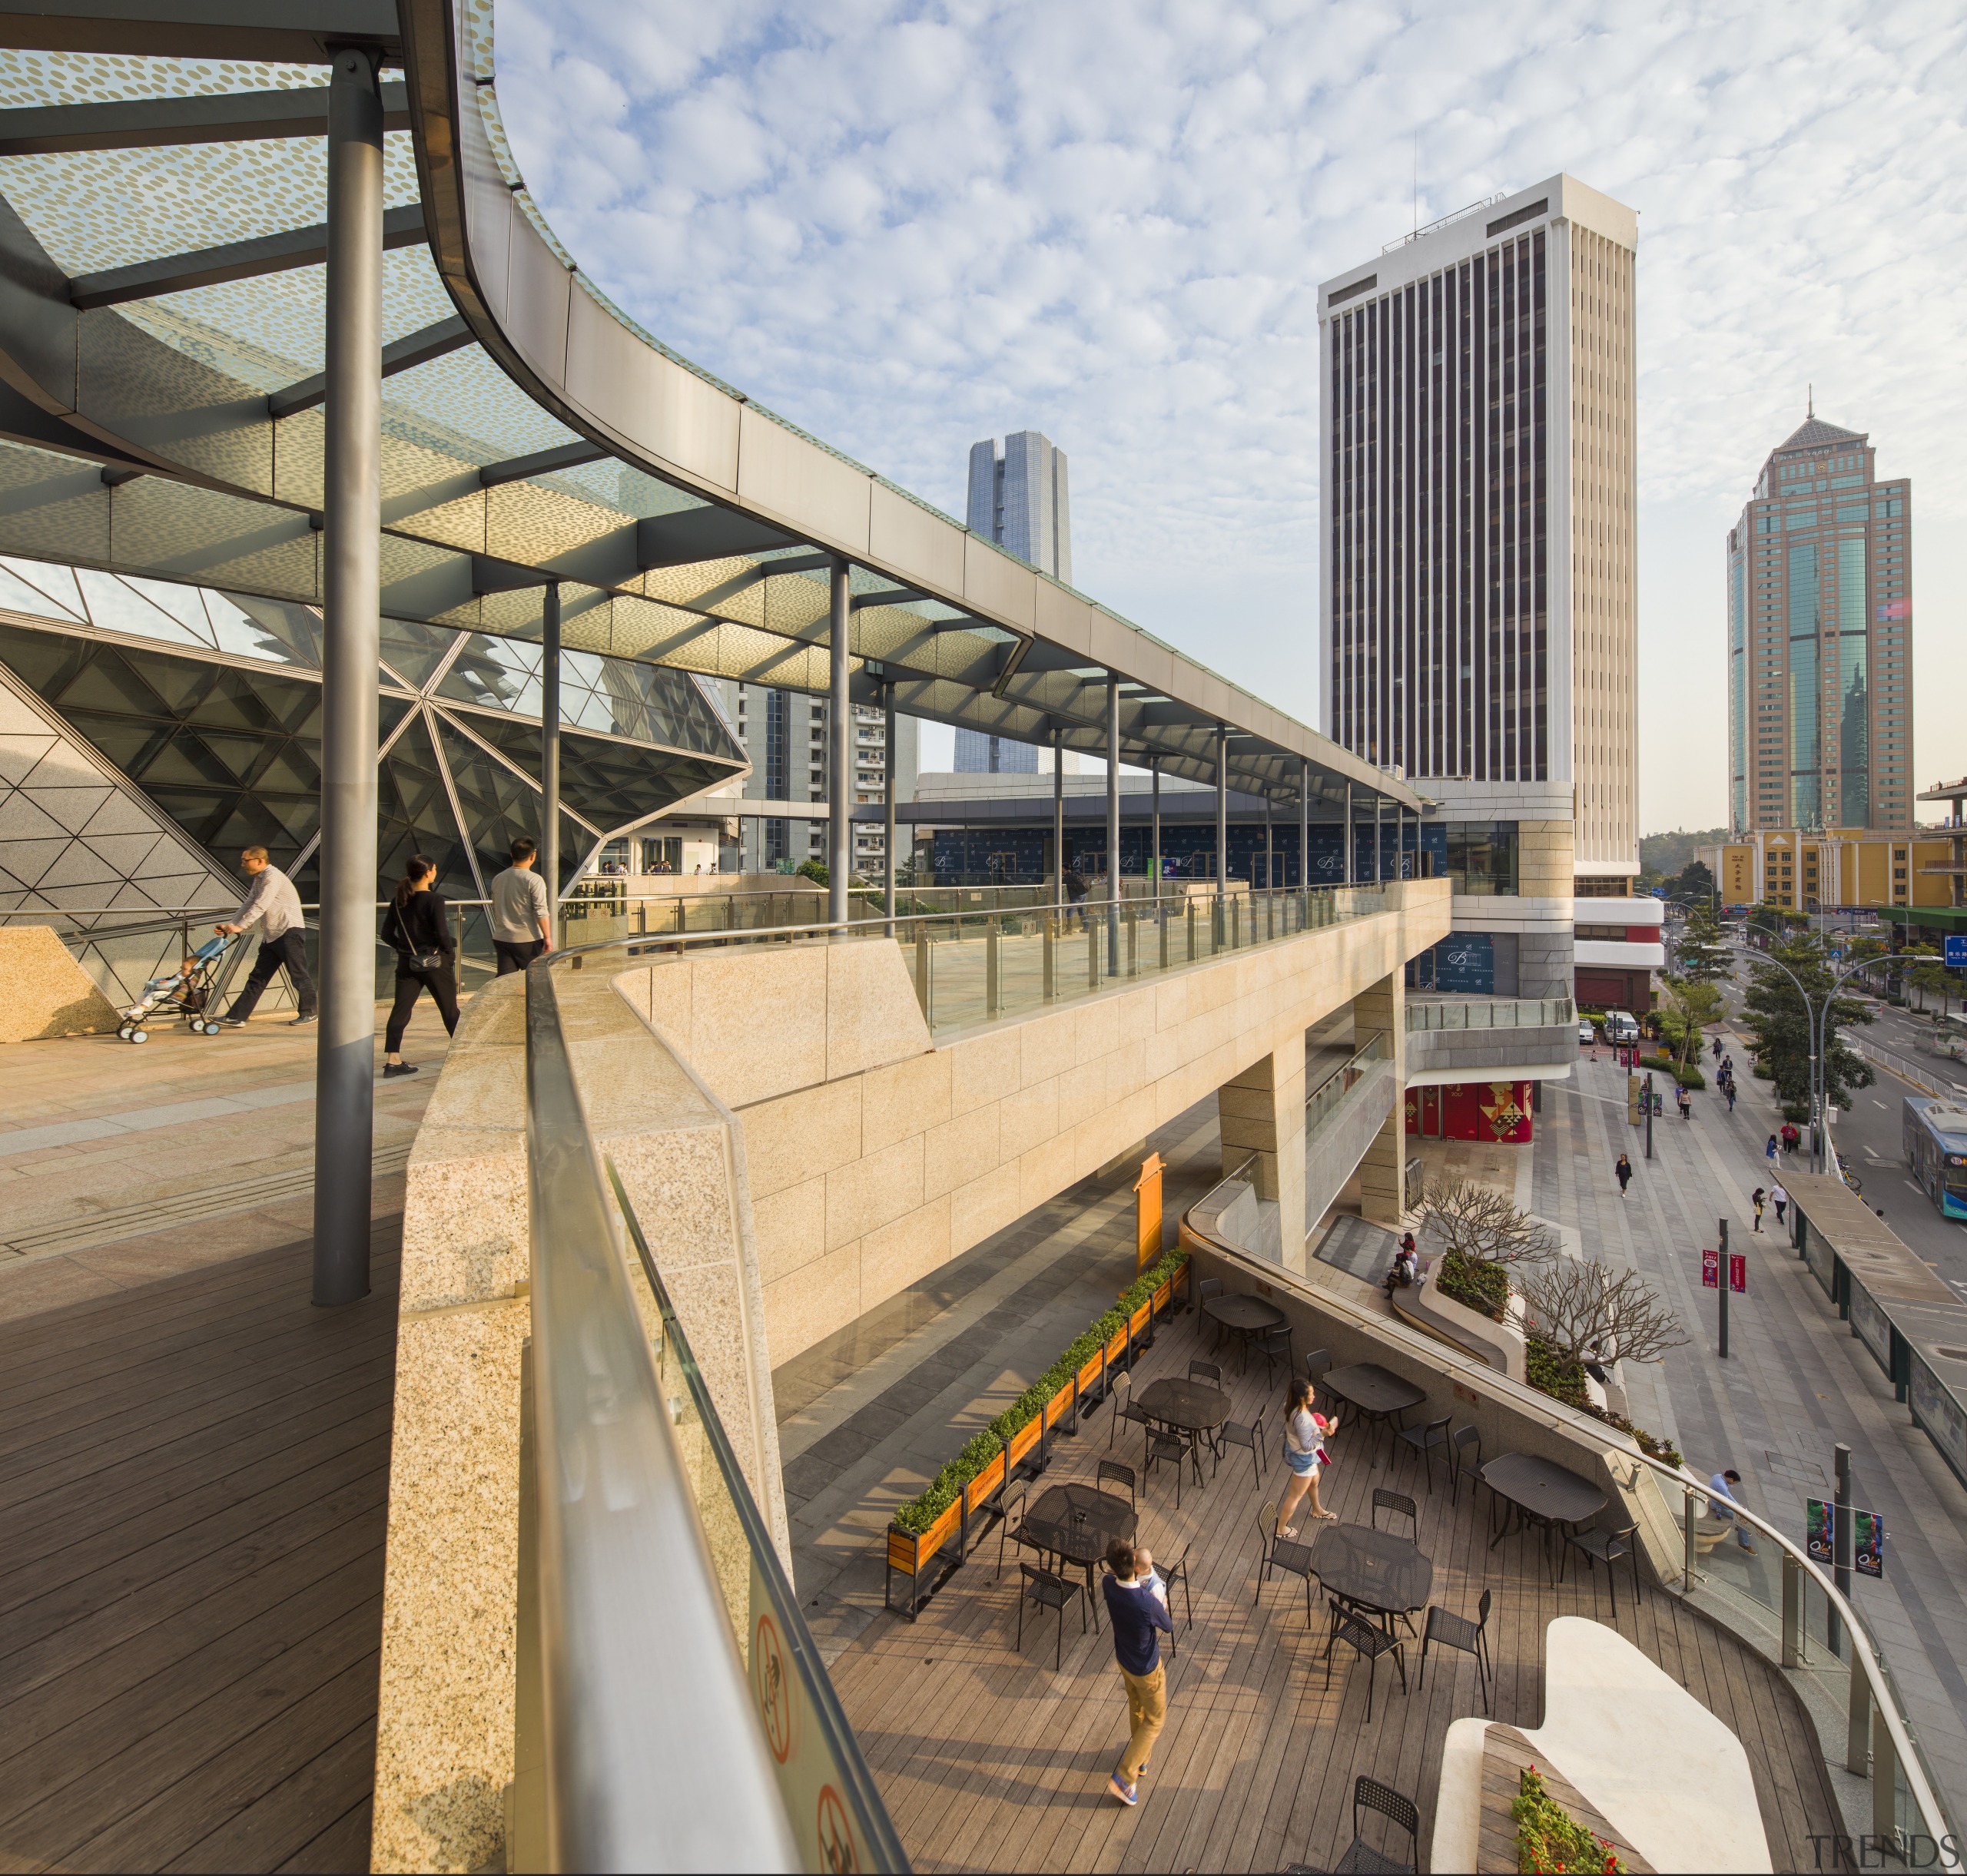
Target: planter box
x,y
1162,1298
1058,1408
1022,1441
1091,1382
913,1554
1140,1329
976,1496
1116,1349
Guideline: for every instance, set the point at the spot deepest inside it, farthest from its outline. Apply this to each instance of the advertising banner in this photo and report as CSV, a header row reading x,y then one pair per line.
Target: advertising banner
x,y
1710,1268
1820,1531
1867,1543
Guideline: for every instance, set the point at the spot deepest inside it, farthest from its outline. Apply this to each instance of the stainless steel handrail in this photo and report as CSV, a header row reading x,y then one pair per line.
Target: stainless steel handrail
x,y
656,1759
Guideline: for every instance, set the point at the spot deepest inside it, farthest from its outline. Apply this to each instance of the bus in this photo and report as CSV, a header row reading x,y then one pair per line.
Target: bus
x,y
1936,1150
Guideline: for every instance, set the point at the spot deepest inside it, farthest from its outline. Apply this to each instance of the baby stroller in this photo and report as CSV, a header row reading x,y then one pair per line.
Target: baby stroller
x,y
188,991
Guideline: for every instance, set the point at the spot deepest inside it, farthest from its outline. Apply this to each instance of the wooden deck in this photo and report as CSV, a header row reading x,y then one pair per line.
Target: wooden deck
x,y
193,1485
989,1760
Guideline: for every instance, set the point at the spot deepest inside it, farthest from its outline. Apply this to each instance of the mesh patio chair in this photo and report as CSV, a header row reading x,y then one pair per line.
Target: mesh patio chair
x,y
1178,1572
1445,1627
1206,1288
1369,1643
1396,1504
1162,1446
1460,1442
1205,1371
1010,1505
1423,1440
1123,1408
1234,1433
1360,1858
1119,1474
1275,1346
1316,1364
1051,1591
1282,1553
1606,1547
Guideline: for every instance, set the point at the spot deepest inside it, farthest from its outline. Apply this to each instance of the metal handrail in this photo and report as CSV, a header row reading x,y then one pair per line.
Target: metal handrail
x,y
655,1758
1379,1047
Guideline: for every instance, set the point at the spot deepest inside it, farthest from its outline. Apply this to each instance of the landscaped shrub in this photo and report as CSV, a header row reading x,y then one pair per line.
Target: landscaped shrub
x,y
1552,1373
1549,1838
1481,1286
916,1514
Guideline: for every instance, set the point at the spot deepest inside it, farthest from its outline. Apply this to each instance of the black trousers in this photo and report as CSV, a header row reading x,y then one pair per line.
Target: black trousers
x,y
443,985
288,952
513,957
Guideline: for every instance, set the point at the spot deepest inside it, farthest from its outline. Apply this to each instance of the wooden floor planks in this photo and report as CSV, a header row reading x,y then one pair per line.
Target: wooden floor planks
x,y
989,1760
193,1487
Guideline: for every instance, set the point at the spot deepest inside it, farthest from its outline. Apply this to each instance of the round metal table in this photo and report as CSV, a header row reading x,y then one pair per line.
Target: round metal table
x,y
1541,1492
1075,1523
1373,1569
1248,1315
1193,1407
1376,1394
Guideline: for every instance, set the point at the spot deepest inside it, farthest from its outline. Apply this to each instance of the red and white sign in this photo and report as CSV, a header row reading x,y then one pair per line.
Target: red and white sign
x,y
1710,1269
1738,1272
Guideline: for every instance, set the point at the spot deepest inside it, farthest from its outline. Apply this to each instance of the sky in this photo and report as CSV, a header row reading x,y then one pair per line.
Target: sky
x,y
908,226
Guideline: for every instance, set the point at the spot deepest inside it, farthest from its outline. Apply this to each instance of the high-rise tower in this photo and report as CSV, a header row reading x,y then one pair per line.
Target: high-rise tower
x,y
1476,596
1820,640
1018,498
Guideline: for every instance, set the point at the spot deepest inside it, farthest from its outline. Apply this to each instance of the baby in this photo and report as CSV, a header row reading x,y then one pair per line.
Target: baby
x,y
1147,1575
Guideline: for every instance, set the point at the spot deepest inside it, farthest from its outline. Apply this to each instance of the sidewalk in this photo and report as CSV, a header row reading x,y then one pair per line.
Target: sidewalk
x,y
1795,1383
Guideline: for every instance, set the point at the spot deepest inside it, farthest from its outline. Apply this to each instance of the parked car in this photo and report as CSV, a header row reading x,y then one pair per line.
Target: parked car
x,y
1621,1026
1586,1032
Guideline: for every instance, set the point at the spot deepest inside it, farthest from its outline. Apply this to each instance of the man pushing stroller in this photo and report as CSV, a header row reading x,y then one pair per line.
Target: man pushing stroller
x,y
272,904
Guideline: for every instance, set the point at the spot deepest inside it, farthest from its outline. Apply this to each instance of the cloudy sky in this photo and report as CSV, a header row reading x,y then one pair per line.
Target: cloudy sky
x,y
906,226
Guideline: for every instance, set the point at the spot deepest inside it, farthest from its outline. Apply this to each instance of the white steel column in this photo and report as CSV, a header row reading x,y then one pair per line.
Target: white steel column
x,y
1221,811
840,755
887,792
1304,824
549,753
345,1058
1059,821
1113,825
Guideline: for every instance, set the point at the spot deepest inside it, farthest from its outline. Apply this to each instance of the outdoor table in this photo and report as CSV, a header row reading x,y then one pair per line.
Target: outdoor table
x,y
1377,1393
1191,1407
1372,1569
1541,1492
1244,1317
1075,1523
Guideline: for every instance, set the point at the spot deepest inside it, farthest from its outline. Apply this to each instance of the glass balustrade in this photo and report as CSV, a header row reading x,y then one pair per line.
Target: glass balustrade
x,y
1489,1013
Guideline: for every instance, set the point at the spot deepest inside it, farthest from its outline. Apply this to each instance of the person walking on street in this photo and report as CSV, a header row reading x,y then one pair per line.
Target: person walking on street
x,y
1623,1173
271,903
1721,1504
1136,1612
1780,1200
1717,1048
1728,1088
417,927
1757,1198
1687,1104
521,916
1768,1152
1305,1435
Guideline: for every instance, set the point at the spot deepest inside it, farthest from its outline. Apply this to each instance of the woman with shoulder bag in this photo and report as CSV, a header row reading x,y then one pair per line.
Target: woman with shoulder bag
x,y
1305,1435
418,925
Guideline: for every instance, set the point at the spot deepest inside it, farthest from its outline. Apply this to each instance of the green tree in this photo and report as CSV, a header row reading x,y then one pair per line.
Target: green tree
x,y
1779,1025
1692,1005
1694,883
1701,955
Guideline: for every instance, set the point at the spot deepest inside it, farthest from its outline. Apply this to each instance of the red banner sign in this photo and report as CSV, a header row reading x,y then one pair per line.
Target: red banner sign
x,y
1738,1272
1710,1269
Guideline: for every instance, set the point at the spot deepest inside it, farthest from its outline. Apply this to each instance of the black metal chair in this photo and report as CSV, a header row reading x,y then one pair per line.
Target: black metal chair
x,y
1123,1408
1164,1444
1234,1433
1275,1346
1398,1505
1459,1442
1178,1572
1119,1474
1283,1553
1051,1591
1360,1858
1369,1643
1606,1547
1316,1364
1206,1288
1423,1441
1452,1631
1011,1500
1205,1371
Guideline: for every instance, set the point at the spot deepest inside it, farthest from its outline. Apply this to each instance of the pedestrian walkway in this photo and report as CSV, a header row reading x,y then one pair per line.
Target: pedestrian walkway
x,y
1795,1383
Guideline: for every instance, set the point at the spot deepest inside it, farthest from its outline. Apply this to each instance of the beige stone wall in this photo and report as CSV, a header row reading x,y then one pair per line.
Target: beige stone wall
x,y
1382,1007
1545,867
1261,1110
44,993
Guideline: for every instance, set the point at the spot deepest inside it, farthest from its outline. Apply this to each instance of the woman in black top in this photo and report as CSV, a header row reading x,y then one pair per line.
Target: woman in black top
x,y
418,926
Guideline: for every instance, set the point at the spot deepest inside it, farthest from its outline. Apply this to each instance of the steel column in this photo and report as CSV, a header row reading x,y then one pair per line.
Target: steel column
x,y
887,795
1304,826
840,754
1348,834
1113,825
1059,821
549,753
1154,814
1221,810
1379,863
345,1057
1270,861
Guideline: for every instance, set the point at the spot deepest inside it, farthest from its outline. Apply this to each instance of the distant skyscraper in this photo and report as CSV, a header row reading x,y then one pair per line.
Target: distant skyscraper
x,y
1820,640
1019,500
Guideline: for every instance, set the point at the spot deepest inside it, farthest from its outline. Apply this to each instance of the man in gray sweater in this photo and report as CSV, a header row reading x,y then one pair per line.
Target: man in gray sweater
x,y
271,903
521,917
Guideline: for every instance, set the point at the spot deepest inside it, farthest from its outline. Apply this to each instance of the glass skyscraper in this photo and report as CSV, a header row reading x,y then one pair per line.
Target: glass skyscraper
x,y
1820,640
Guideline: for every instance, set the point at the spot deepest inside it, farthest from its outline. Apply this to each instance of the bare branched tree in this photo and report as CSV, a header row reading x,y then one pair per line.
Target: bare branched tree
x,y
1591,1311
1482,1225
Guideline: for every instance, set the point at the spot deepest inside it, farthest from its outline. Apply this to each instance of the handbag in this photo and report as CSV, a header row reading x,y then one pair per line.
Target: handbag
x,y
415,960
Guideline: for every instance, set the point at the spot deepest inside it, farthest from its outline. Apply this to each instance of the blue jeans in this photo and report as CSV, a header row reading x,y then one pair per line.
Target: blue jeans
x,y
1728,1517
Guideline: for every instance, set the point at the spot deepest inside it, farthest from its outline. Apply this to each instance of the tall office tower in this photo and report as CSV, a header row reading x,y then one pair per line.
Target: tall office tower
x,y
1820,640
1477,607
1018,498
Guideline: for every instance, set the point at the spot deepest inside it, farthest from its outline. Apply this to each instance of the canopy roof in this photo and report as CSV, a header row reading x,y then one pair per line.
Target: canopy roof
x,y
162,284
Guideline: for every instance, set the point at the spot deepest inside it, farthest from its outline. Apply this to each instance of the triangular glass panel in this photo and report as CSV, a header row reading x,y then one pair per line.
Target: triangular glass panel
x,y
55,585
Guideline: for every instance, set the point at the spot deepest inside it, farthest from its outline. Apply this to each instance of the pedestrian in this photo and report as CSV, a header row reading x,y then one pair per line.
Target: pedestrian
x,y
1623,1173
1136,1612
418,926
1768,1152
271,903
1722,1503
1687,1104
1729,1090
1075,892
1305,1435
1717,1048
521,917
1780,1200
1756,1199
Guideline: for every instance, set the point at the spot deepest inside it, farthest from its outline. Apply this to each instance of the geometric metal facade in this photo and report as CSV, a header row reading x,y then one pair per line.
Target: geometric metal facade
x,y
209,704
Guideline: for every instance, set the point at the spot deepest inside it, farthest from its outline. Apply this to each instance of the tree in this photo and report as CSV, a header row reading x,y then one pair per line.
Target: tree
x,y
1779,1025
1480,1224
1694,883
1697,1005
1591,1312
1701,955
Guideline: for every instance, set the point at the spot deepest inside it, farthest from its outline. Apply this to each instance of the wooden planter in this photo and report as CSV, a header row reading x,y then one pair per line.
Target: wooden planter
x,y
1091,1382
976,1497
1160,1301
1140,1329
1116,1349
1180,1281
913,1554
1022,1441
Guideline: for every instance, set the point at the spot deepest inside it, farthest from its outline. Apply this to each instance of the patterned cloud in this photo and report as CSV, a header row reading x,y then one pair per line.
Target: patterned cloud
x,y
908,226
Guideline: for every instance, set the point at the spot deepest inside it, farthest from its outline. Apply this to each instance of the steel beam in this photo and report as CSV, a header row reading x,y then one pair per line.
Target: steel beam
x,y
307,32
540,462
345,1061
403,354
237,260
164,123
840,749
